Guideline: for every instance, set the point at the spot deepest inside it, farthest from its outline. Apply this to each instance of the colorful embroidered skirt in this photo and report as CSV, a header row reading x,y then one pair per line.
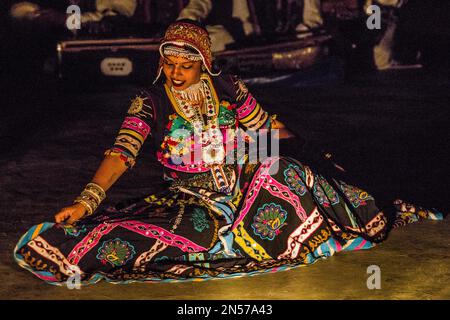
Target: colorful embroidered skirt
x,y
281,215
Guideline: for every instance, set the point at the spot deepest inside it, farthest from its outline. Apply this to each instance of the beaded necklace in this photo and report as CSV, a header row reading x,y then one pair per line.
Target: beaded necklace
x,y
190,102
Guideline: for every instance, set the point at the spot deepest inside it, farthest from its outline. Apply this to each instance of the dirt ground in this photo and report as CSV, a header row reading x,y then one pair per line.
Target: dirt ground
x,y
389,130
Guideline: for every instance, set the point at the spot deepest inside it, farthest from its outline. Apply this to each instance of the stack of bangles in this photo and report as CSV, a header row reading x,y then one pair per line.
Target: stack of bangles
x,y
91,197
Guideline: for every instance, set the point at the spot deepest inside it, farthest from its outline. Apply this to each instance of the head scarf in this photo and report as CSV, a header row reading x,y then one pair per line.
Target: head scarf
x,y
183,35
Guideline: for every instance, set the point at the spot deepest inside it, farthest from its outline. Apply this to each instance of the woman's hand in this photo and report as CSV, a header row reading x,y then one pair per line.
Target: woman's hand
x,y
283,132
111,168
71,214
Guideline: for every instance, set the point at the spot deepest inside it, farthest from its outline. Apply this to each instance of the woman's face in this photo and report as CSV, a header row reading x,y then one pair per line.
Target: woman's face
x,y
181,72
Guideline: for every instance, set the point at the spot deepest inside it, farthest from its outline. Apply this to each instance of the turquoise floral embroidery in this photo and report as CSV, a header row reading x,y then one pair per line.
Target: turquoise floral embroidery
x,y
294,180
74,230
199,220
356,196
268,221
116,252
324,192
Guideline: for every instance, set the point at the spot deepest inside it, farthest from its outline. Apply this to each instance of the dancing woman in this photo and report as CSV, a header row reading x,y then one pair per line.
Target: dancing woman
x,y
225,214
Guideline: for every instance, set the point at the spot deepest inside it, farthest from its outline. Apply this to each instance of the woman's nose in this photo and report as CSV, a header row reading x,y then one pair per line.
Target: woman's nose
x,y
176,71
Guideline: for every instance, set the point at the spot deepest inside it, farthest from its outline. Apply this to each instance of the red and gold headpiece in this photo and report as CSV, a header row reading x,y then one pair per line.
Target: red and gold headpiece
x,y
190,35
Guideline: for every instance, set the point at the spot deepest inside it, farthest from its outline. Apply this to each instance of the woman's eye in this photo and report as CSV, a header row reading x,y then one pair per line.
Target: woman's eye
x,y
187,67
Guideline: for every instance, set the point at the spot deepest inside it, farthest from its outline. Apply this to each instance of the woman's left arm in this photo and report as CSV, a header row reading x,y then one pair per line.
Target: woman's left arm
x,y
284,133
252,116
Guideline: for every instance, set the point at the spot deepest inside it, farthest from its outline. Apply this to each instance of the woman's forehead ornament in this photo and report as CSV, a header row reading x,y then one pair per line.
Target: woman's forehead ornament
x,y
181,51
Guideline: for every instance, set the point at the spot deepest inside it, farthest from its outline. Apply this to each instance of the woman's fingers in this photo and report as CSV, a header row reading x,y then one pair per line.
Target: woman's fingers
x,y
62,215
75,216
71,214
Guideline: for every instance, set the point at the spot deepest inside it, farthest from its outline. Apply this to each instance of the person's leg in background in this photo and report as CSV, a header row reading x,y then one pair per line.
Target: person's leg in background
x,y
312,17
221,36
383,51
312,14
199,10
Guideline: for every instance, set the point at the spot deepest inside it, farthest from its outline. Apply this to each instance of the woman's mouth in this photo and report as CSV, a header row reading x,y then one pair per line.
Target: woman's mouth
x,y
177,83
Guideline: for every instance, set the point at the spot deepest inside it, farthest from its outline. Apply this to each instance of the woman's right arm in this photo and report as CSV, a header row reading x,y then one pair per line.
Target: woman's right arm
x,y
133,132
109,171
